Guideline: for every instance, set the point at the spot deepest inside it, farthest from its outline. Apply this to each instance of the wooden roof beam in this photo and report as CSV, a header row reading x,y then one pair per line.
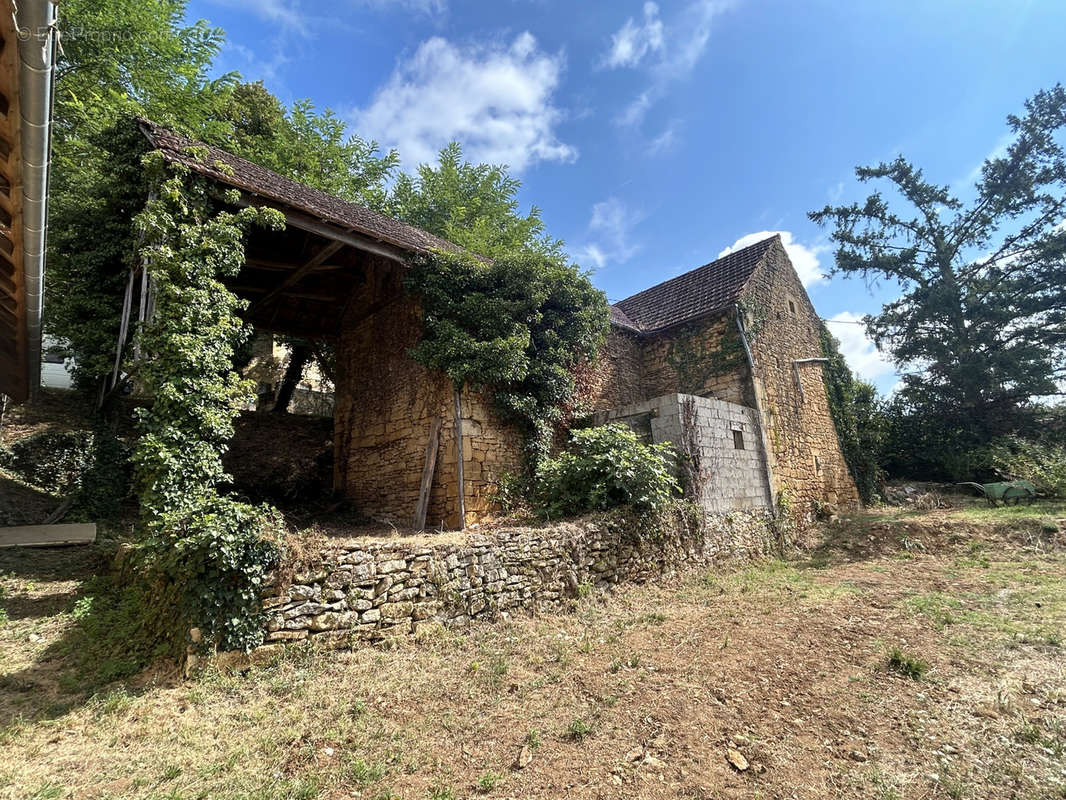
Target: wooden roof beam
x,y
316,260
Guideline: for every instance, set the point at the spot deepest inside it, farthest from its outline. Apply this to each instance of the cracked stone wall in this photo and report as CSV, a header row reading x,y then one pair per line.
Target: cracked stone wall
x,y
367,590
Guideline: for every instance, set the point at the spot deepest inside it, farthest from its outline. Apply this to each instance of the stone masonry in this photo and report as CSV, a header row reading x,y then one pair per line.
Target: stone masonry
x,y
366,590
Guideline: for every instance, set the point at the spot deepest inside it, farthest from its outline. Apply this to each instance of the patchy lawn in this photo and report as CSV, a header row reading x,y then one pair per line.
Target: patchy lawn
x,y
911,656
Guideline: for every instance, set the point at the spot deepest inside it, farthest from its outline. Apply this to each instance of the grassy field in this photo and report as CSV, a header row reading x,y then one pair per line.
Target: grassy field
x,y
912,655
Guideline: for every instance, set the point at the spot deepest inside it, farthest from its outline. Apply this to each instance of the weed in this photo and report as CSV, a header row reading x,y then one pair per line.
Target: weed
x,y
171,772
578,730
488,780
362,773
442,793
533,738
48,791
3,617
908,665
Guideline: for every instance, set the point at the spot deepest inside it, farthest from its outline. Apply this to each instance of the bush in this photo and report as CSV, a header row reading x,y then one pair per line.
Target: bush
x,y
53,461
605,467
218,557
1040,463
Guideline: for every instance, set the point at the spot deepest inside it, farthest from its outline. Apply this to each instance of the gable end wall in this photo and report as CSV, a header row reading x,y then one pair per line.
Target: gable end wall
x,y
800,426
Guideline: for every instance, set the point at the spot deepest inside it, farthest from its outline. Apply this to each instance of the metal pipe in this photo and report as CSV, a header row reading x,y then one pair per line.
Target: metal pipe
x,y
38,38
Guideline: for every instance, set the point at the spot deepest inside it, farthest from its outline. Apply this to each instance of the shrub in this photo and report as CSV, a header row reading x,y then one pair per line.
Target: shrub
x,y
605,467
1042,464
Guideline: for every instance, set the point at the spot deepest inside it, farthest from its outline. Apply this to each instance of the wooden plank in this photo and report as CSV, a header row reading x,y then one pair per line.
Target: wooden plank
x,y
427,474
48,535
459,457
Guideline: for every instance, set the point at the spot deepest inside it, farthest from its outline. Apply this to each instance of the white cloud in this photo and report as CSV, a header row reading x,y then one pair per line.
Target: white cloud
x,y
665,141
678,45
858,350
421,6
495,100
805,258
634,113
286,13
609,235
635,40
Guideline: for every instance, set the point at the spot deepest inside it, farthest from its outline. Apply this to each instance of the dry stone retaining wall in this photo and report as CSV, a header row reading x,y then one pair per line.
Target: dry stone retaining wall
x,y
362,591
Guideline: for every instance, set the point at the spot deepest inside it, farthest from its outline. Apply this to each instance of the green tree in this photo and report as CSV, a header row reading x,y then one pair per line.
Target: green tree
x,y
122,58
515,326
305,145
474,206
980,326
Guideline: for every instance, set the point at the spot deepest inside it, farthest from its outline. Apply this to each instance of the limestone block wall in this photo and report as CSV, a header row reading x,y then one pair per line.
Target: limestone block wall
x,y
366,590
615,379
700,358
724,438
807,461
385,407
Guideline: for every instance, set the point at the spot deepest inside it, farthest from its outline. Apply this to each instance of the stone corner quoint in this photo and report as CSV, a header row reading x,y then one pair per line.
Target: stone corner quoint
x,y
722,360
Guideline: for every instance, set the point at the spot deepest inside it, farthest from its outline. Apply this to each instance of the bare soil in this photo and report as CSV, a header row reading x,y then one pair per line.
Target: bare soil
x,y
782,679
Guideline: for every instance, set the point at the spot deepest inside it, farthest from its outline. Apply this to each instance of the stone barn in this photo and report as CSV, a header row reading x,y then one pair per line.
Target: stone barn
x,y
722,360
726,361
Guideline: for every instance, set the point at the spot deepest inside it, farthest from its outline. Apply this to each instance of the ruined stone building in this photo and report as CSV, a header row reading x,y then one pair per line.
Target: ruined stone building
x,y
721,360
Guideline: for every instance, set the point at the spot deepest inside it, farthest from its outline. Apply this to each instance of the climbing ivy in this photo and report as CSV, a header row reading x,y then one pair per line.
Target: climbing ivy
x,y
858,419
697,357
516,326
213,550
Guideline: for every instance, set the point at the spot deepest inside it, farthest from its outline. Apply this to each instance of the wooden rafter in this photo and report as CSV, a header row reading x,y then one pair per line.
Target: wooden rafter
x,y
316,260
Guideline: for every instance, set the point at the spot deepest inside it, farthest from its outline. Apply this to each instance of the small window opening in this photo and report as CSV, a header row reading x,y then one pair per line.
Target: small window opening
x,y
738,440
791,308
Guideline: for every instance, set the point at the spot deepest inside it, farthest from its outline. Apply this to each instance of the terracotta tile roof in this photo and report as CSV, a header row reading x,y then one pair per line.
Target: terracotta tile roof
x,y
704,290
314,202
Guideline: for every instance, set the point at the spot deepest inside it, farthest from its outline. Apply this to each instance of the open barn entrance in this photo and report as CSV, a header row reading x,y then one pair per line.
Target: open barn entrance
x,y
408,449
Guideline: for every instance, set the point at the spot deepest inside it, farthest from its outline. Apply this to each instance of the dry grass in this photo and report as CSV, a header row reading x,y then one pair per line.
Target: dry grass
x,y
637,694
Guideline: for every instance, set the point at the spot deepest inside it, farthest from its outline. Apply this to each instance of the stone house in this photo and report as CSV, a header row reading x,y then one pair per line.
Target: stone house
x,y
721,360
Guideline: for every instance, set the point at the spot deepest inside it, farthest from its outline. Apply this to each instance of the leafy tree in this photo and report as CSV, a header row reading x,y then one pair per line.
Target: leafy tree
x,y
980,326
122,58
475,207
306,145
516,326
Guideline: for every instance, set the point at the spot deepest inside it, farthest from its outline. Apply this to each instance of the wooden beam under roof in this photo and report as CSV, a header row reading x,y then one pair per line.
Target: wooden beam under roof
x,y
316,260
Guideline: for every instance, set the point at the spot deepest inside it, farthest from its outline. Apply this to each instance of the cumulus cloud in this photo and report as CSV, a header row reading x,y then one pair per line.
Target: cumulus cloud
x,y
805,258
496,100
858,350
634,40
669,50
609,235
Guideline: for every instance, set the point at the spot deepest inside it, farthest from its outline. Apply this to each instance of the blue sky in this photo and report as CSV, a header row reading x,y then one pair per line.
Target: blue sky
x,y
655,135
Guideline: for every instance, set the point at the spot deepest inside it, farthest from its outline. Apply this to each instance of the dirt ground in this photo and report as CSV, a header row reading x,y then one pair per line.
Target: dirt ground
x,y
912,655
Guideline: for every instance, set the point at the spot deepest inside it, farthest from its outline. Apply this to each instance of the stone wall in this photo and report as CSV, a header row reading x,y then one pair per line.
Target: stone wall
x,y
701,358
722,437
386,404
616,378
806,456
365,590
